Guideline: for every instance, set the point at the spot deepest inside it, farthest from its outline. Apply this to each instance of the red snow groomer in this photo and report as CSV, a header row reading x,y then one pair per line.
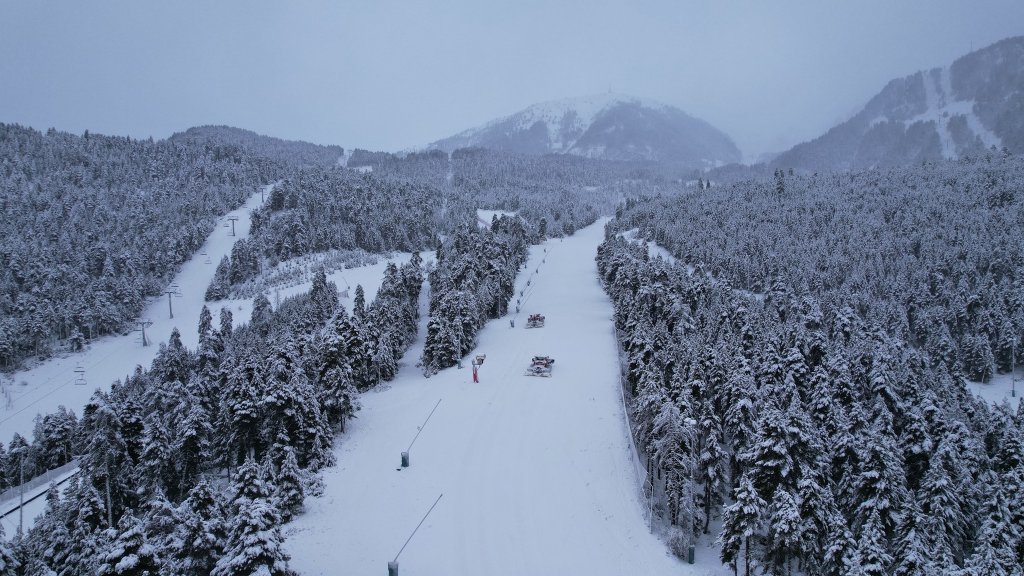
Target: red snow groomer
x,y
535,321
540,366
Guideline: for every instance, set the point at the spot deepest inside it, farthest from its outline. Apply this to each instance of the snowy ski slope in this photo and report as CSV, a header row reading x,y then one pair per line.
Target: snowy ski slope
x,y
52,383
537,473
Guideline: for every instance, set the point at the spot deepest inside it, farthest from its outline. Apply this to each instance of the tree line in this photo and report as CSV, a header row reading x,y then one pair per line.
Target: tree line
x,y
93,224
472,283
799,375
190,466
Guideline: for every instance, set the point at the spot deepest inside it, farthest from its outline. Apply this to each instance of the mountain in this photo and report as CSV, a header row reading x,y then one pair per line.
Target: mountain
x,y
608,126
949,112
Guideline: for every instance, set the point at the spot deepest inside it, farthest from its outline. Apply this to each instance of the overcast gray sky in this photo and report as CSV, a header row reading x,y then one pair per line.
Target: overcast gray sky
x,y
389,75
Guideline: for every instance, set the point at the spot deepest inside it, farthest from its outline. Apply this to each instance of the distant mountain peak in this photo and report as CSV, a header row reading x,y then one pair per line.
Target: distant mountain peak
x,y
947,112
607,125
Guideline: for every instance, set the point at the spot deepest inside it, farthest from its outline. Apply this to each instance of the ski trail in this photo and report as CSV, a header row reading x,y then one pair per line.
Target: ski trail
x,y
50,384
537,473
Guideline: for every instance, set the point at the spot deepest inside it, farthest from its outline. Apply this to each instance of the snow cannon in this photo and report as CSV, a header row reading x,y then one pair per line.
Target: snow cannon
x,y
535,321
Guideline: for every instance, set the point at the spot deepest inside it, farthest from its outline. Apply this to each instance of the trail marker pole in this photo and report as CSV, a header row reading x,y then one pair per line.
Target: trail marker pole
x,y
393,565
405,455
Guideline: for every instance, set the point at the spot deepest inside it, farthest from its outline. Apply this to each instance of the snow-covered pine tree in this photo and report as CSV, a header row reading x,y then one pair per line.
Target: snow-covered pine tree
x,y
255,545
201,532
742,522
288,494
129,552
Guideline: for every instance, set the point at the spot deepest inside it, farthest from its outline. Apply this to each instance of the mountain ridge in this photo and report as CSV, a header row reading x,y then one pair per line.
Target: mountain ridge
x,y
974,104
609,126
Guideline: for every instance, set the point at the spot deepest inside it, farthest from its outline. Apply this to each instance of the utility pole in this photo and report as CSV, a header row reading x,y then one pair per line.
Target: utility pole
x,y
172,290
143,324
232,219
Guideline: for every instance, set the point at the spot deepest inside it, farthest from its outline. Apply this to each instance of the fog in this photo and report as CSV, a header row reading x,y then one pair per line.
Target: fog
x,y
391,75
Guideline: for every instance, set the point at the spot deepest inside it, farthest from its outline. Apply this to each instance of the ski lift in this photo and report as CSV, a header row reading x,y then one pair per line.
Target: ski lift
x,y
79,375
344,293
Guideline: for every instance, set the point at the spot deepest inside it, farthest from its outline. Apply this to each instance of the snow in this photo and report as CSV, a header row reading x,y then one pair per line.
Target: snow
x,y
51,383
552,112
1000,388
35,504
369,277
653,249
43,388
483,217
537,473
942,106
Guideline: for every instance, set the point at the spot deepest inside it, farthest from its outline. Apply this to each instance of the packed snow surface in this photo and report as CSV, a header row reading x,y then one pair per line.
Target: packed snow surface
x,y
1008,387
537,473
50,384
483,217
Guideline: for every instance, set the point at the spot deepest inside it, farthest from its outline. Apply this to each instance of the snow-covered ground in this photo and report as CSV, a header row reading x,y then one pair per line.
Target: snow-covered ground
x,y
1000,388
369,277
483,217
35,503
653,249
41,389
537,473
942,105
114,357
50,384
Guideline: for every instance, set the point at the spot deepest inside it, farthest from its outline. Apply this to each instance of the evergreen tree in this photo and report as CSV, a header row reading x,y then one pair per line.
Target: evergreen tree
x,y
871,554
130,554
255,544
201,532
9,563
359,303
783,537
742,522
289,494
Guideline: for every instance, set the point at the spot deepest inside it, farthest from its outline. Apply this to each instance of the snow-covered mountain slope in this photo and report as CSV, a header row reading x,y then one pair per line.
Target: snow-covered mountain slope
x,y
609,126
55,382
538,474
949,112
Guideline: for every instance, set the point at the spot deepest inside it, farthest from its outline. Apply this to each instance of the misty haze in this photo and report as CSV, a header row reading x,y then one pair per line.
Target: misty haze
x,y
502,288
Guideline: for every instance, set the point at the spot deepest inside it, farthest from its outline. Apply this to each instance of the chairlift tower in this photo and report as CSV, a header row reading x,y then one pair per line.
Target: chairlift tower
x,y
232,219
172,291
143,324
